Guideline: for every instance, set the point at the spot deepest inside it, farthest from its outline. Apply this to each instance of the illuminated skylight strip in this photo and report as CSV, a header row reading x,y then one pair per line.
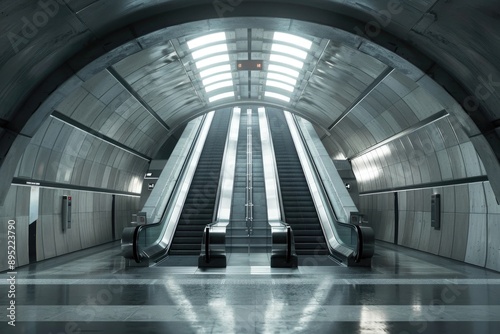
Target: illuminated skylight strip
x,y
219,85
215,70
277,96
212,61
280,85
289,50
282,78
219,77
283,70
292,39
208,39
221,96
209,51
287,60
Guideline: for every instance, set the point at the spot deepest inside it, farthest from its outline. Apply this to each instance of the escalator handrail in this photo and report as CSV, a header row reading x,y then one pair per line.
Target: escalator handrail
x,y
140,228
275,167
356,228
221,176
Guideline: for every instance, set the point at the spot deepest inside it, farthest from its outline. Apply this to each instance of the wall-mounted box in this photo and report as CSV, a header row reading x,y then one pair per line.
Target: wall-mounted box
x,y
66,212
436,211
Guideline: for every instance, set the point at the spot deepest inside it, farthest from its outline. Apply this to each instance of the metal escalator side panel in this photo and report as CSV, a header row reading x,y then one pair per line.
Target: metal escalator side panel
x,y
160,197
340,198
200,203
299,207
326,217
223,211
270,178
173,211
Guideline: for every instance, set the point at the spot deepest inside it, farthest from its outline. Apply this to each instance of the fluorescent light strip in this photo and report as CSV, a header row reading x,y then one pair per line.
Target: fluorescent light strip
x,y
287,60
282,78
215,70
292,39
219,77
277,96
219,85
207,39
283,70
211,61
280,85
289,50
209,51
221,96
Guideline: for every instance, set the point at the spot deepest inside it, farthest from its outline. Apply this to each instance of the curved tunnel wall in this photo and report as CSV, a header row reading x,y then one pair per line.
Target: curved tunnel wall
x,y
384,111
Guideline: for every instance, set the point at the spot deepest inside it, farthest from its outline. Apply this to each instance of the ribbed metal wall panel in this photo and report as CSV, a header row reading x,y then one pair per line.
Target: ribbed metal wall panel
x,y
84,161
470,222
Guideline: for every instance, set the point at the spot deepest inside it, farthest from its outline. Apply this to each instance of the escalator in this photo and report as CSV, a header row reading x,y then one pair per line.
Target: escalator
x,y
200,202
300,212
244,236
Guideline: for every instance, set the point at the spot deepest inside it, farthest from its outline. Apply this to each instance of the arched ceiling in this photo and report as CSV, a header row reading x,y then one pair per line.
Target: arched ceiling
x,y
138,84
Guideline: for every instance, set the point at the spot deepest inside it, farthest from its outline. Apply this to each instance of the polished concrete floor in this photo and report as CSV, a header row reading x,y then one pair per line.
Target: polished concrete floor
x,y
404,292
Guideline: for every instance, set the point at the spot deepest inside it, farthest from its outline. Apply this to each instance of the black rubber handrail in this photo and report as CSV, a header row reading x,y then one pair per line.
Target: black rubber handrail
x,y
207,244
288,243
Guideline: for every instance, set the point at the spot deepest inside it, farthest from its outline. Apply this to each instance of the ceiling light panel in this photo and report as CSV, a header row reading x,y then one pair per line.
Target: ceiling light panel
x,y
215,70
202,53
216,78
211,58
277,96
288,53
219,85
221,96
212,61
286,60
280,85
283,70
292,39
282,78
206,40
289,50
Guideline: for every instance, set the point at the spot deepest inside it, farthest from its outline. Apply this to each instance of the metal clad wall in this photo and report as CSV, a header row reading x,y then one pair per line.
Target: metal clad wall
x,y
16,207
91,221
470,222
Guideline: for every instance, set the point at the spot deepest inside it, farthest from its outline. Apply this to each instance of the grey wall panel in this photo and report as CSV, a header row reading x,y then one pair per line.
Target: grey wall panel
x,y
460,236
39,241
493,260
407,227
477,198
425,232
22,233
457,162
471,159
47,235
447,199
61,243
7,212
417,229
477,240
462,201
447,234
492,204
22,223
125,206
27,162
434,238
